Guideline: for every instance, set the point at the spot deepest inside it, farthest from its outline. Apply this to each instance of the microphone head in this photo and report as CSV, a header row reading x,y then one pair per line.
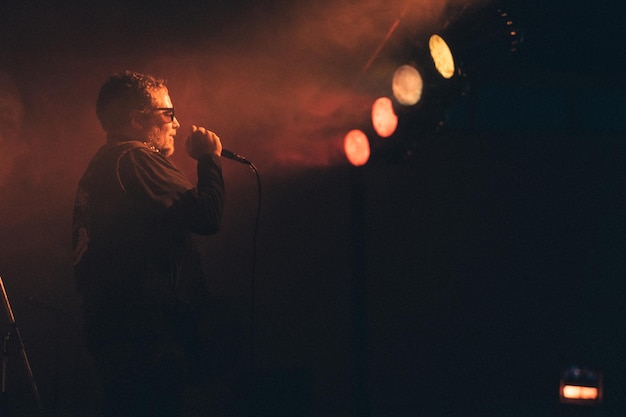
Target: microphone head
x,y
232,155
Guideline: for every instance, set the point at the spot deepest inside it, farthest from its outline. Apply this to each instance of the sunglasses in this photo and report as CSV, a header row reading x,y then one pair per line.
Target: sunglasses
x,y
169,110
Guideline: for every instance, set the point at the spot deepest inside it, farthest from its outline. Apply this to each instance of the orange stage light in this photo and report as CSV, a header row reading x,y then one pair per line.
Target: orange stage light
x,y
384,118
574,392
357,147
581,386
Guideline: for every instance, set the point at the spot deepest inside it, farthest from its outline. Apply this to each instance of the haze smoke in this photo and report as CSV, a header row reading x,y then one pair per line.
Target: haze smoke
x,y
276,83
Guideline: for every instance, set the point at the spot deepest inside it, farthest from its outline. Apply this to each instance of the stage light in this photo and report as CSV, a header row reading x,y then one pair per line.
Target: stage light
x,y
476,41
421,74
581,386
575,392
407,85
384,118
442,56
421,95
357,147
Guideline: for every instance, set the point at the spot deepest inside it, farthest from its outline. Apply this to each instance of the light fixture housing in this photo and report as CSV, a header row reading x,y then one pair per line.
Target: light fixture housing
x,y
582,386
477,41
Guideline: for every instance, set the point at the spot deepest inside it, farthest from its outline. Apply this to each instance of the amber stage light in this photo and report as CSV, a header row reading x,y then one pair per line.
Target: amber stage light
x,y
478,41
581,386
576,392
442,56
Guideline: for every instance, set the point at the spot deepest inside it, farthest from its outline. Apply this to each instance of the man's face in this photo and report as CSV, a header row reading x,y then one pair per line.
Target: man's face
x,y
160,124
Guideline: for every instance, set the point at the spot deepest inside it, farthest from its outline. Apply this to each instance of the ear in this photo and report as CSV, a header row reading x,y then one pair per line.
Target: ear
x,y
136,119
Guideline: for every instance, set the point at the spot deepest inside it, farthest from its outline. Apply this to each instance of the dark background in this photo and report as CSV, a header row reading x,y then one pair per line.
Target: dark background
x,y
463,279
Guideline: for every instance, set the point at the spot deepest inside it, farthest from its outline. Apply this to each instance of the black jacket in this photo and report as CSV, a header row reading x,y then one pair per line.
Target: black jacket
x,y
136,213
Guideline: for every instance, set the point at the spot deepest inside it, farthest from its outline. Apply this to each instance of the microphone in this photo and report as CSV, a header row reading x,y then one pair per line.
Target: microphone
x,y
232,155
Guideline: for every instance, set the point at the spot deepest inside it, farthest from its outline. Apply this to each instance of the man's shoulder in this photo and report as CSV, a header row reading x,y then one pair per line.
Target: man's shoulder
x,y
114,150
112,156
119,148
133,153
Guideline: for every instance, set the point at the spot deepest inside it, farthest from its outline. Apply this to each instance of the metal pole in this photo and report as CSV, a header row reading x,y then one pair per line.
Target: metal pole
x,y
16,331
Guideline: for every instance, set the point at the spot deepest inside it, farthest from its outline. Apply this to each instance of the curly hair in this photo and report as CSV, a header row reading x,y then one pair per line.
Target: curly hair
x,y
123,93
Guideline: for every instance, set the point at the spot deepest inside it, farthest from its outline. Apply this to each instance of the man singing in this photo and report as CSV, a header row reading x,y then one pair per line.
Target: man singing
x,y
134,259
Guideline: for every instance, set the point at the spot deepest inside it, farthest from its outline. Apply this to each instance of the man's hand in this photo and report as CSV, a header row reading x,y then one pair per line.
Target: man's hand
x,y
203,142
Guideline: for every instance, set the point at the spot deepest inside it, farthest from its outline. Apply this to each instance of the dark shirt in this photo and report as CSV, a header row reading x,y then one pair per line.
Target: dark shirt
x,y
136,212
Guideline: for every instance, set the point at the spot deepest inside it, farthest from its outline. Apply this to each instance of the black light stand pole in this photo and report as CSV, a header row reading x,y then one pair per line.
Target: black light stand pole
x,y
5,340
16,332
360,373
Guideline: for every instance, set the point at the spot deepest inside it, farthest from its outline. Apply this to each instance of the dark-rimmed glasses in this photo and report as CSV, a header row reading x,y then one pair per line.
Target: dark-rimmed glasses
x,y
168,109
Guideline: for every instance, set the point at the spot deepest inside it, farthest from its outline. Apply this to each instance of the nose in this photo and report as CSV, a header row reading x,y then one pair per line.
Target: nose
x,y
175,123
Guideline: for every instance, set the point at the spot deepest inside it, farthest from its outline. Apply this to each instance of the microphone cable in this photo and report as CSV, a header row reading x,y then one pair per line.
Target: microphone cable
x,y
253,270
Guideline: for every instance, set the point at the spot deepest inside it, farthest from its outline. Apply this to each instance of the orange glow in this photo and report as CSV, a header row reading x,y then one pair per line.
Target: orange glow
x,y
384,118
575,392
407,85
442,56
357,147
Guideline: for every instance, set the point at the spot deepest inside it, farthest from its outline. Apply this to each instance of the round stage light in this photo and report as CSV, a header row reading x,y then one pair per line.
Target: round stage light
x,y
384,118
357,147
442,56
407,85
